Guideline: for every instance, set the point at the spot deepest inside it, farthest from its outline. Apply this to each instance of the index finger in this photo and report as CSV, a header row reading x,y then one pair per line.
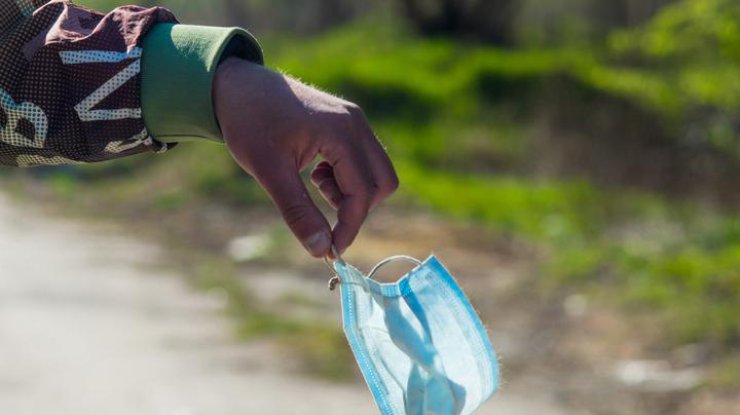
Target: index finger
x,y
384,175
289,194
355,180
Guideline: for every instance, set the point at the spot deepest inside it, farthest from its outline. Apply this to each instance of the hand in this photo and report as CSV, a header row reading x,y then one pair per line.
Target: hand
x,y
275,127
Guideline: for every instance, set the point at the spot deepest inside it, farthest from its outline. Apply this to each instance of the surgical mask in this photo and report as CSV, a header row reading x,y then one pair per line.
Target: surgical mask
x,y
418,342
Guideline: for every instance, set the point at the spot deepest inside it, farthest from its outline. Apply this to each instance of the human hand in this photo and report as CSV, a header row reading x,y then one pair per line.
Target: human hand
x,y
276,126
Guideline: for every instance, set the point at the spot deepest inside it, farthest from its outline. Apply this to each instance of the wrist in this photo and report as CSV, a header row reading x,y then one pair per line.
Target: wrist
x,y
230,80
242,90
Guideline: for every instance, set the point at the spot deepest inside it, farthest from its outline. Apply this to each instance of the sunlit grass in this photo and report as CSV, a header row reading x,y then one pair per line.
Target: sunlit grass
x,y
318,346
673,259
456,119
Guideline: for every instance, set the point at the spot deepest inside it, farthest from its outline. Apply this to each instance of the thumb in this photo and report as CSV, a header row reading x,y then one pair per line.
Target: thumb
x,y
300,213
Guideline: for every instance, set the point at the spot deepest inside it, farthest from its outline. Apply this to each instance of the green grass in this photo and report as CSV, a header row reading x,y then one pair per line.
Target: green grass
x,y
320,347
454,118
520,207
637,249
457,121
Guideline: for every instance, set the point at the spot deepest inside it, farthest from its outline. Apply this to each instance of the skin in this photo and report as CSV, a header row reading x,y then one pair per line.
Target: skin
x,y
275,127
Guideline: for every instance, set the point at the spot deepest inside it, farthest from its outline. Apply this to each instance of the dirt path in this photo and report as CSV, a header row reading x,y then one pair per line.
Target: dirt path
x,y
90,325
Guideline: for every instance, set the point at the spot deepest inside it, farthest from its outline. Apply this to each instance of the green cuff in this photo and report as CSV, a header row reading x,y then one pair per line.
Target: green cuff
x,y
178,66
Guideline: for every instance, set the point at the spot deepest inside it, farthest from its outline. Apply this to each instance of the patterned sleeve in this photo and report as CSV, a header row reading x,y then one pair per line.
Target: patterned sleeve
x,y
70,82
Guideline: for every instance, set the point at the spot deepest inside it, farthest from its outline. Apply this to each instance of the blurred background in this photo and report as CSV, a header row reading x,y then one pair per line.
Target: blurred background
x,y
576,164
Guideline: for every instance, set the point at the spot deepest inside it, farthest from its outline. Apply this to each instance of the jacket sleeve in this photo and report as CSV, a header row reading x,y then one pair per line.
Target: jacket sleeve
x,y
78,86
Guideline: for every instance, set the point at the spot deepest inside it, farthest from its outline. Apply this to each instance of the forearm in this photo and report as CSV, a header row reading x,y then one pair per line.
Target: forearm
x,y
78,86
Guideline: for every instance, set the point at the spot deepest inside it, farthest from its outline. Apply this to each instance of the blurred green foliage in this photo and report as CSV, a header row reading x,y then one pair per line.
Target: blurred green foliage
x,y
688,58
459,121
321,347
455,120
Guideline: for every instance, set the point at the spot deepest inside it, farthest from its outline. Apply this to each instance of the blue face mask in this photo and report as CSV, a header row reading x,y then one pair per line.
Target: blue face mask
x,y
418,342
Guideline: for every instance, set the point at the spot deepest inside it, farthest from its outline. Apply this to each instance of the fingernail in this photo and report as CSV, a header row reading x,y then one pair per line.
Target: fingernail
x,y
318,243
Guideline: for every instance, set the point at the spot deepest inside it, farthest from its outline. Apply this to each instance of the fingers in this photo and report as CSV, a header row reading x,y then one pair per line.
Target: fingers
x,y
323,178
352,209
356,175
354,180
385,180
384,175
350,216
298,210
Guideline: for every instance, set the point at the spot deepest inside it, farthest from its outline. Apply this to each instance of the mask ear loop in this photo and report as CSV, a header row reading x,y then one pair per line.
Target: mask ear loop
x,y
338,258
392,259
